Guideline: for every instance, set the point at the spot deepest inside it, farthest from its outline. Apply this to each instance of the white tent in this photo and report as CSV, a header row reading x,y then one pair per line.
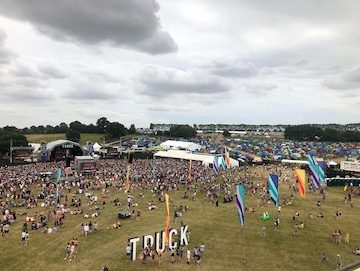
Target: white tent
x,y
332,163
97,147
206,159
180,145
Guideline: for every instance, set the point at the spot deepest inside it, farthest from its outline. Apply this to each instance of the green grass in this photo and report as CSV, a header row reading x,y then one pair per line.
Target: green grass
x,y
37,138
228,245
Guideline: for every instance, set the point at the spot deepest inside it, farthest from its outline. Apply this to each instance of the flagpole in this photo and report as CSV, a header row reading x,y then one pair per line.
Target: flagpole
x,y
57,186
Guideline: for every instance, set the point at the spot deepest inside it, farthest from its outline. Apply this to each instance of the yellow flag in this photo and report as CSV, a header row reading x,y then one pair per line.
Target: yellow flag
x,y
300,175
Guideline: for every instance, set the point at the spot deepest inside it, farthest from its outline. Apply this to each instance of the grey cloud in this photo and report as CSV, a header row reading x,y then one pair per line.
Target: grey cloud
x,y
25,71
158,108
346,80
6,55
130,23
23,94
162,82
2,37
260,88
239,70
90,91
50,71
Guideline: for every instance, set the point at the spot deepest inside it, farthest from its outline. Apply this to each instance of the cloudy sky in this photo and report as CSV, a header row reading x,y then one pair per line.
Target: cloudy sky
x,y
188,61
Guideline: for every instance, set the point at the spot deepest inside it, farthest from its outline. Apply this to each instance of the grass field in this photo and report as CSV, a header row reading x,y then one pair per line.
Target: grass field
x,y
37,138
228,246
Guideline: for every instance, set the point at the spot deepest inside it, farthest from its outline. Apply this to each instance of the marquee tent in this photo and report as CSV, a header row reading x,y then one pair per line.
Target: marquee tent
x,y
97,147
180,145
206,159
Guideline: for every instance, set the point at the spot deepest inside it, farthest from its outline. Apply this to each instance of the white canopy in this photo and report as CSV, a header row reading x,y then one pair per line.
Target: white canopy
x,y
180,145
206,159
97,147
332,163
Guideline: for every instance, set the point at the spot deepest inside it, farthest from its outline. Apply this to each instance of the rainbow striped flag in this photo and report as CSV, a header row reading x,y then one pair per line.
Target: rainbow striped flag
x,y
223,163
317,174
240,202
300,175
215,165
273,188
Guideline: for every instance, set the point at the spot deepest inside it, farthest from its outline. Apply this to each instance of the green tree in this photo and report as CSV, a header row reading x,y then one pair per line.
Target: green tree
x,y
63,127
226,133
102,124
73,135
5,138
114,130
132,129
78,126
182,131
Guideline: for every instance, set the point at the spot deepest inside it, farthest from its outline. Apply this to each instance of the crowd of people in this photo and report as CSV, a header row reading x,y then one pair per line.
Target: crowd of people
x,y
25,187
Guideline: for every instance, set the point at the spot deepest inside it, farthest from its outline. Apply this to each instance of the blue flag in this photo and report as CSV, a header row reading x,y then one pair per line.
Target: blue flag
x,y
273,188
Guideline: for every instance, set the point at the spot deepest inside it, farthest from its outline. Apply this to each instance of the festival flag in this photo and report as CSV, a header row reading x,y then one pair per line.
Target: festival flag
x,y
273,188
227,157
127,183
223,163
300,175
215,166
314,176
317,174
240,202
167,218
190,168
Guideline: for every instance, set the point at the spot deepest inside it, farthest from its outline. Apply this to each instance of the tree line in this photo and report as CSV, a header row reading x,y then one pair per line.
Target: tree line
x,y
309,132
111,130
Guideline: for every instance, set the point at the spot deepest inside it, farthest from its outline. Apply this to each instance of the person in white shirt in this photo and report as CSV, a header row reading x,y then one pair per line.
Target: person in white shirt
x,y
86,229
128,250
188,256
202,248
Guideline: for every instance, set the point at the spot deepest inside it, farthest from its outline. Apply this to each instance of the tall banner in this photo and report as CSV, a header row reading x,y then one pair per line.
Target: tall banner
x,y
317,174
273,188
300,175
127,182
227,157
240,202
215,165
167,218
43,152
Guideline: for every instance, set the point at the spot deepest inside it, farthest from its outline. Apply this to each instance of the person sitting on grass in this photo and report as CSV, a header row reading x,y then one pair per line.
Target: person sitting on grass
x,y
116,225
301,225
250,210
357,251
324,257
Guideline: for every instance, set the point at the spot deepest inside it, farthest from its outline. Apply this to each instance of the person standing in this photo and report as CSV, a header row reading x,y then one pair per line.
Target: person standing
x,y
26,238
202,248
86,229
263,232
338,261
23,236
188,256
